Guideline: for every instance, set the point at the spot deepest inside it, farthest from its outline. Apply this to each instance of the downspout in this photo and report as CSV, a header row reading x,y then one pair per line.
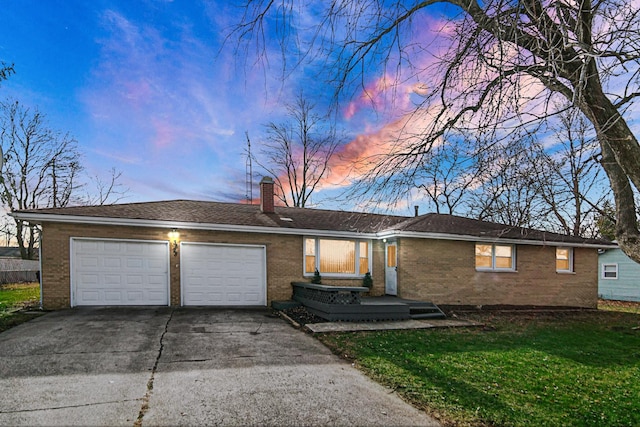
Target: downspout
x,y
40,265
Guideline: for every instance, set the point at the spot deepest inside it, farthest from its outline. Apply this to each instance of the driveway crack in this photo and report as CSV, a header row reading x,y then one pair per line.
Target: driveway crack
x,y
145,400
81,405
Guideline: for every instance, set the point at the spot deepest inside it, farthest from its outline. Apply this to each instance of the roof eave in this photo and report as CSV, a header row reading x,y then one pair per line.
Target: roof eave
x,y
386,234
77,219
391,234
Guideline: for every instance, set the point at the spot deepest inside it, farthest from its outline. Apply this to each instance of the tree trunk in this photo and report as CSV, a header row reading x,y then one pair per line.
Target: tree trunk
x,y
620,160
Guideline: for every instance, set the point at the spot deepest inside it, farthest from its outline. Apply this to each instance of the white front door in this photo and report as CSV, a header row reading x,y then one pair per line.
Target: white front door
x,y
391,269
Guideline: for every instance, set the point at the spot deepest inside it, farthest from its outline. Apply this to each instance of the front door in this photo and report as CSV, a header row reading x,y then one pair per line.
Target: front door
x,y
391,269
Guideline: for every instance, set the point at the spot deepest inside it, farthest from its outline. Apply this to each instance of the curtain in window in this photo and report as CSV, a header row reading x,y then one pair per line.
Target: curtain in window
x,y
337,256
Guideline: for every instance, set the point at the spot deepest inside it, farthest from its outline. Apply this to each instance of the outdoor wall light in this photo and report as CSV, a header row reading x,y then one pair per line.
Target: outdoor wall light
x,y
173,237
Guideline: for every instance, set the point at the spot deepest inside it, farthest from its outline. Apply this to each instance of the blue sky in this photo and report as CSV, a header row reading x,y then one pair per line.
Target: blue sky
x,y
145,87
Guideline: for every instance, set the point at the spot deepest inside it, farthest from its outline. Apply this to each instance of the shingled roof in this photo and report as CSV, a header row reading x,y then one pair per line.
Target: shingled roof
x,y
214,215
455,225
200,212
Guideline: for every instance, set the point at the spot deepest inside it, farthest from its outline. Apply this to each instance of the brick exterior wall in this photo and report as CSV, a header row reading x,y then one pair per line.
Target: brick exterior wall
x,y
444,272
441,271
284,258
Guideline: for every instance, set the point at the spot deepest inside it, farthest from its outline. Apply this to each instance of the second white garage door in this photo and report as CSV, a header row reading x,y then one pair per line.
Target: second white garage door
x,y
223,275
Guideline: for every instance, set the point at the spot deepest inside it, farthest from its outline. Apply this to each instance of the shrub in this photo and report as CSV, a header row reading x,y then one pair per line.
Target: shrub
x,y
367,281
317,279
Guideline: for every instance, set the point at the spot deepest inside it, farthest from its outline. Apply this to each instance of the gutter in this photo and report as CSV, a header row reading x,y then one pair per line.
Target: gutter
x,y
40,265
471,238
387,234
73,219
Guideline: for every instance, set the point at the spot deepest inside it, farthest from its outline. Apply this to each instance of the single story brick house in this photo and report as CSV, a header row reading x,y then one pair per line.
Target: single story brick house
x,y
184,253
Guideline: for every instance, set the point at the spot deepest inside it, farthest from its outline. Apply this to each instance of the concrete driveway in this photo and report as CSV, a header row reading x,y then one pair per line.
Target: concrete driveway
x,y
164,366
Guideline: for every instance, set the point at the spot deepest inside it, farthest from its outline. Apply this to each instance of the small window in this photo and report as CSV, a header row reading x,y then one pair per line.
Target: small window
x,y
392,259
610,271
340,257
495,257
564,260
364,257
310,256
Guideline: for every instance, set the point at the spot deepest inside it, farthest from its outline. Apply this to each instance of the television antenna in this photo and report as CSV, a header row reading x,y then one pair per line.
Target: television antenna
x,y
248,172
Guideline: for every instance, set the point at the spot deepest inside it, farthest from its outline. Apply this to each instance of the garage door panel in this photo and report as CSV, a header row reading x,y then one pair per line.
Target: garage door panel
x,y
223,274
156,263
112,247
111,280
156,297
90,295
155,280
108,272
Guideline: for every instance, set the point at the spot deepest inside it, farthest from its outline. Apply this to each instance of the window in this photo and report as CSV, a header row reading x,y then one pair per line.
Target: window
x,y
336,257
392,259
610,271
564,260
494,257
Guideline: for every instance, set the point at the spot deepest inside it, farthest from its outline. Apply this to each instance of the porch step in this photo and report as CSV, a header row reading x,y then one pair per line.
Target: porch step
x,y
425,310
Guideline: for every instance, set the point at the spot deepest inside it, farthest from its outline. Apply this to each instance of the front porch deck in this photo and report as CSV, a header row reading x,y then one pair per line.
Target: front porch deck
x,y
346,304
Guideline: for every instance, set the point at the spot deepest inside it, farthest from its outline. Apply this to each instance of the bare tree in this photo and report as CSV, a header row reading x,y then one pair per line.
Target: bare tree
x,y
101,191
40,170
510,189
508,62
6,70
574,190
297,152
450,173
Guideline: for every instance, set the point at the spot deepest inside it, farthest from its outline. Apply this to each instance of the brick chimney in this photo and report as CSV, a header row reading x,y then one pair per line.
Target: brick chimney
x,y
266,195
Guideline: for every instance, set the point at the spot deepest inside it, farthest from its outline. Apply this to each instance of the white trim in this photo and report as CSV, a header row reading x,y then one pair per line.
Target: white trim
x,y
39,218
387,234
40,265
264,264
71,262
614,264
570,269
496,240
390,276
355,275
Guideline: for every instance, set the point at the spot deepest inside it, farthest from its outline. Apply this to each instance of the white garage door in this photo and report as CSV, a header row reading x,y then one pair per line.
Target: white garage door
x,y
119,272
223,274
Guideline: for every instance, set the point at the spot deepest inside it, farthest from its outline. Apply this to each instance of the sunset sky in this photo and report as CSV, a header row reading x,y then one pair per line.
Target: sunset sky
x,y
149,88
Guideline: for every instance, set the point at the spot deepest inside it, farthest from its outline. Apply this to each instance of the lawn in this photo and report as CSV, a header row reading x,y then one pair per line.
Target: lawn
x,y
560,369
15,297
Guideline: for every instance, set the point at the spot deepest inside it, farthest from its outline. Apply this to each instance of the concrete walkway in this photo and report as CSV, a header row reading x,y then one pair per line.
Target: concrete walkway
x,y
388,326
163,366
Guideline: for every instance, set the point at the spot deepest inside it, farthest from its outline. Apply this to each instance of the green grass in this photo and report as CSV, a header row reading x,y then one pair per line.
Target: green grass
x,y
14,297
578,369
